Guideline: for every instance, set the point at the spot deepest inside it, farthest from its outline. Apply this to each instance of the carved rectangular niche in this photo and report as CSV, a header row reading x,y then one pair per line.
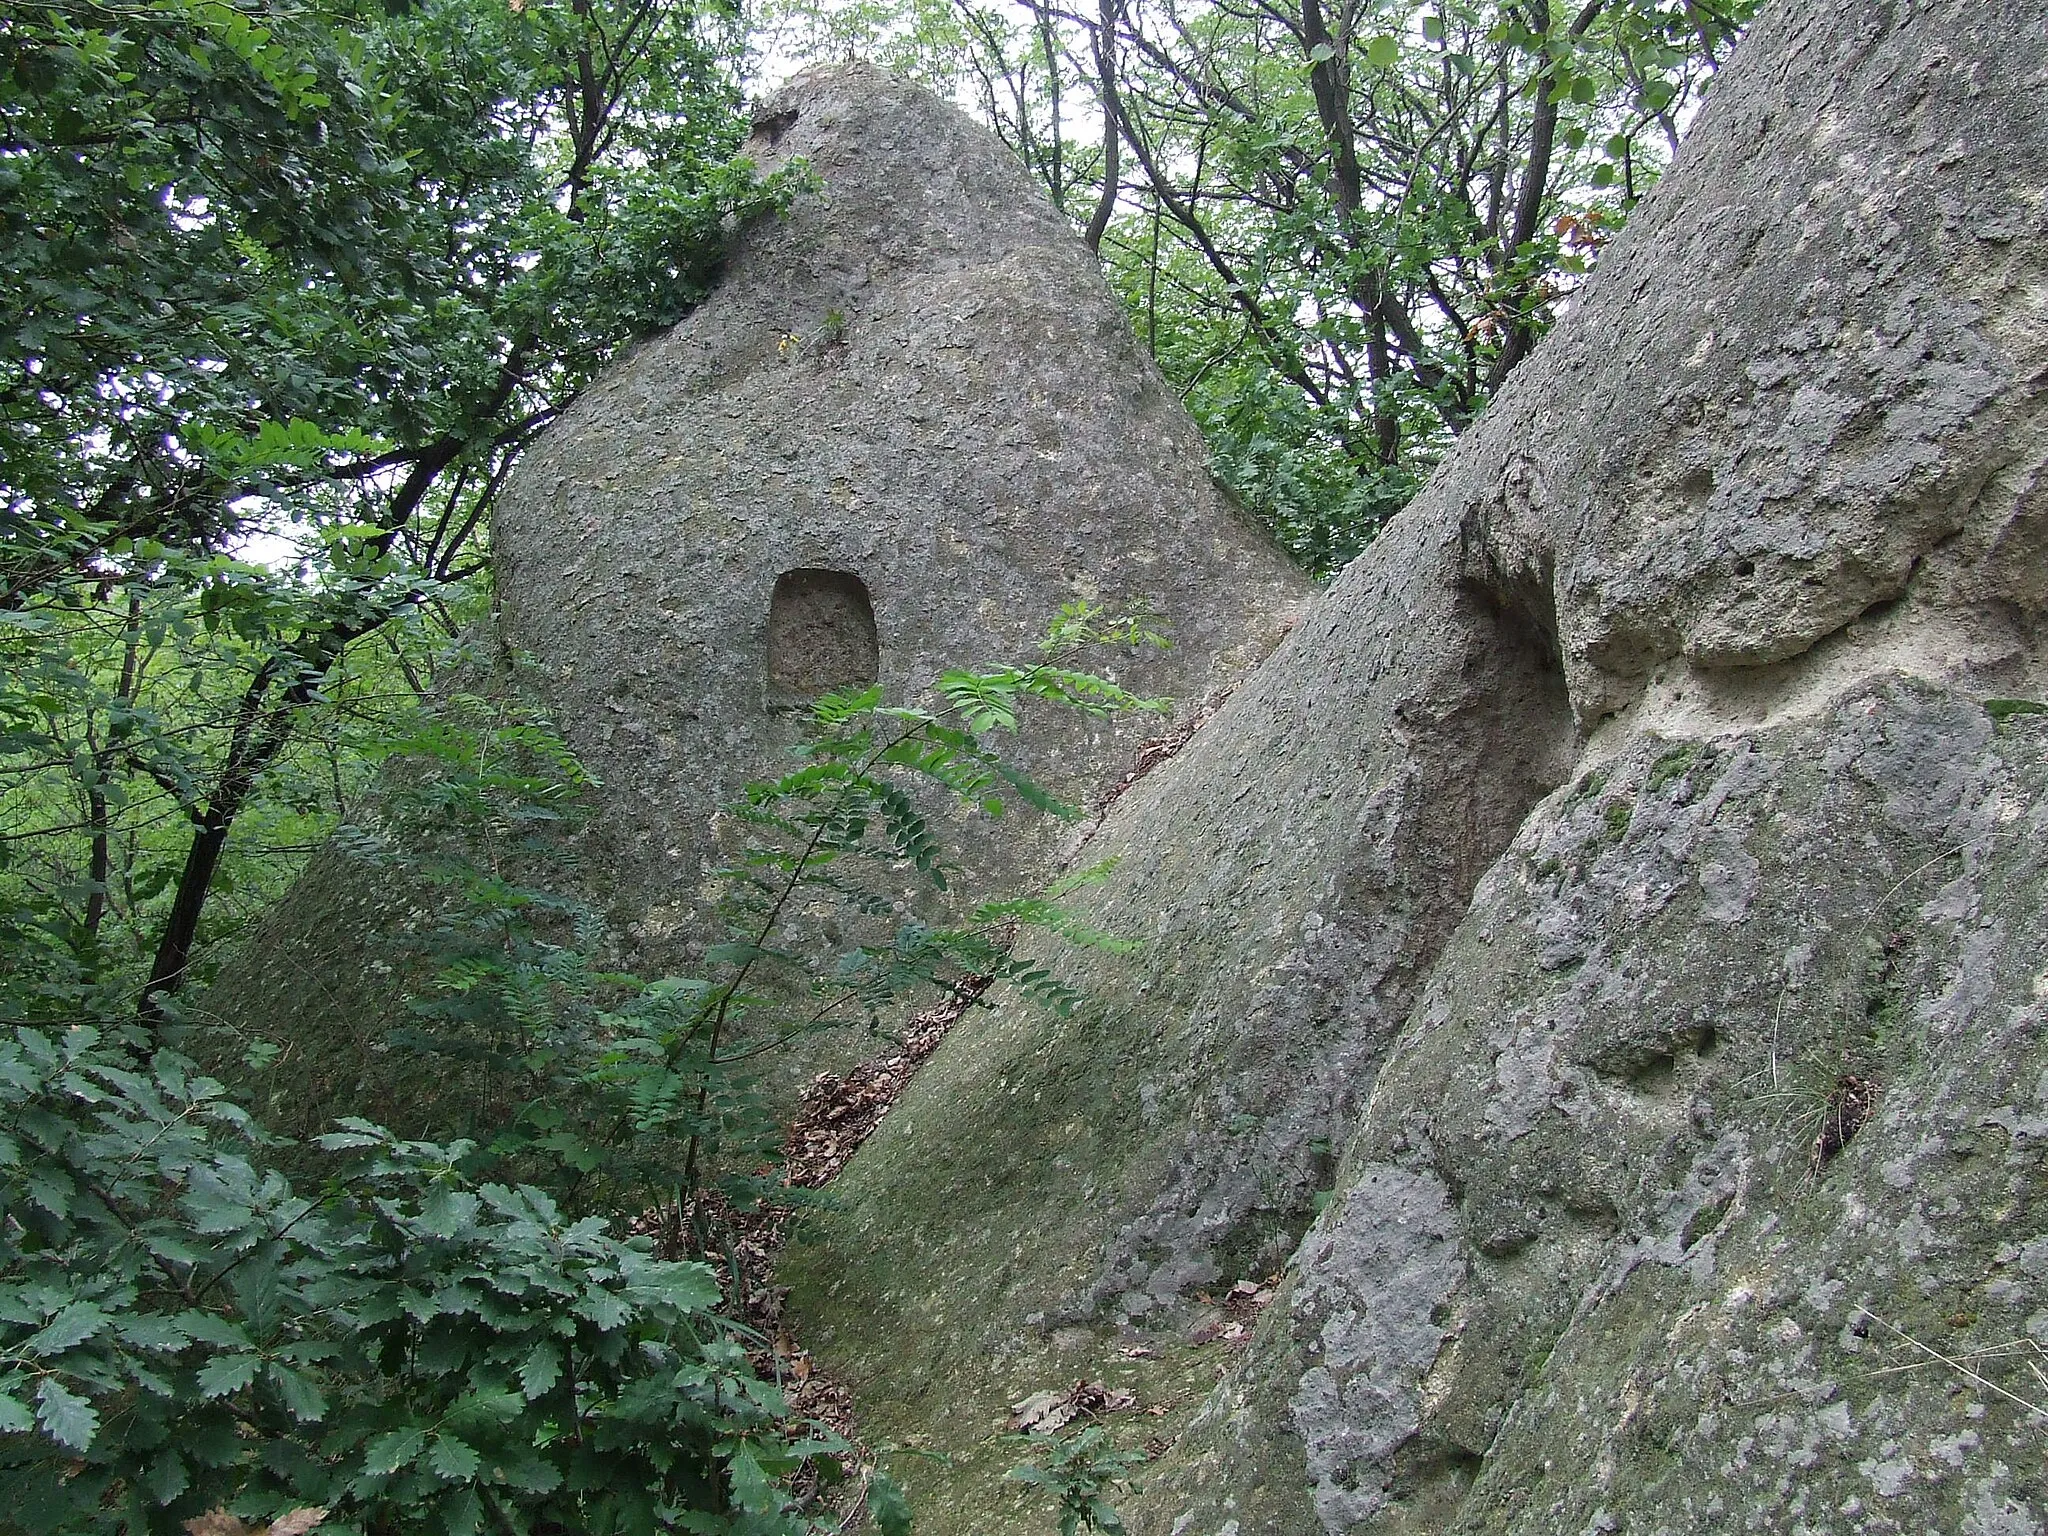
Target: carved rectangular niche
x,y
821,633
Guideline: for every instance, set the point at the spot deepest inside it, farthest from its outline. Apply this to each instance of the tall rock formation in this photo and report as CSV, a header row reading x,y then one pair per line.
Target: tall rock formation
x,y
907,427
910,423
1599,960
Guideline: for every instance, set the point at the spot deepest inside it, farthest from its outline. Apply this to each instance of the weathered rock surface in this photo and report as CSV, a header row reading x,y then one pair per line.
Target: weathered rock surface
x,y
1592,1257
913,391
1634,791
909,424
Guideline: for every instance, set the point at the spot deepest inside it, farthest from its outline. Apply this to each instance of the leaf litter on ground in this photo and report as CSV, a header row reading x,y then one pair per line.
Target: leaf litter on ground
x,y
1047,1413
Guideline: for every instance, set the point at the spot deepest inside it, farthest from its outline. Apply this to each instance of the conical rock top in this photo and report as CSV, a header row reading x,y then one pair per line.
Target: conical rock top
x,y
913,393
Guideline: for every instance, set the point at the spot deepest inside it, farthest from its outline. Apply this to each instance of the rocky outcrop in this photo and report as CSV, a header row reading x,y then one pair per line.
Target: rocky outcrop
x,y
1617,909
1700,1190
909,425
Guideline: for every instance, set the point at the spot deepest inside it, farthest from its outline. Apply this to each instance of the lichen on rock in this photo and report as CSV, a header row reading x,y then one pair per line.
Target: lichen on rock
x,y
1625,817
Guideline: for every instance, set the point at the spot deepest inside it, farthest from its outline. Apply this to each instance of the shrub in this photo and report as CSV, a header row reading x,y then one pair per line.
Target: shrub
x,y
181,1329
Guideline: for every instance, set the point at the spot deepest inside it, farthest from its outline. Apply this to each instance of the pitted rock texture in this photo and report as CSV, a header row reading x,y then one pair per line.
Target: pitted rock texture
x,y
1658,1300
907,427
917,382
1813,369
1561,865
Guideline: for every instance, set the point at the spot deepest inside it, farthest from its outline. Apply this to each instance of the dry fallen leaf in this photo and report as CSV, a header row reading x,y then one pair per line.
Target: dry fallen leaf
x,y
1043,1413
835,1114
1094,1397
1046,1413
219,1522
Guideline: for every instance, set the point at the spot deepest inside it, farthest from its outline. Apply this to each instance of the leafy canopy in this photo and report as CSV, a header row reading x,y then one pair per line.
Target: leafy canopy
x,y
316,274
1338,228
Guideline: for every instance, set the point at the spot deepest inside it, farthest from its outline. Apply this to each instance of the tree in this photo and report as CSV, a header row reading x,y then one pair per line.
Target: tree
x,y
449,1334
265,269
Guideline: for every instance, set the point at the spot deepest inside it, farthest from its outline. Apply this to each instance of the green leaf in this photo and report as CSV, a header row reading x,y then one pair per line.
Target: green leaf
x,y
1383,52
602,1308
71,1326
167,1477
888,1505
228,1373
753,1490
462,1513
540,1370
477,1410
387,1453
531,1474
448,1213
66,1417
302,1399
453,1459
209,1329
15,1417
689,1287
151,1332
835,709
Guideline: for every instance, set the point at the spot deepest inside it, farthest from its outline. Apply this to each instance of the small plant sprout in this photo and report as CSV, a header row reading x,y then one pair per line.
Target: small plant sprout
x,y
1080,1470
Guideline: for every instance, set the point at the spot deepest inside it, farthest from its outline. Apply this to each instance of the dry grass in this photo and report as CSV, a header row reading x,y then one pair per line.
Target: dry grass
x,y
2029,1352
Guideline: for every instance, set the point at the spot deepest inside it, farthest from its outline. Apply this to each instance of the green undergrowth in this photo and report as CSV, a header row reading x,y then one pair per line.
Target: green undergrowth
x,y
919,1246
523,1323
186,1330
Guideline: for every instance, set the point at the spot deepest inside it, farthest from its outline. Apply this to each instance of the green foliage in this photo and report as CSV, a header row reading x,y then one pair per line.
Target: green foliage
x,y
447,1335
258,258
175,171
181,1329
1351,241
1675,763
852,804
301,285
1080,1470
888,1505
625,1093
1269,445
2002,710
120,713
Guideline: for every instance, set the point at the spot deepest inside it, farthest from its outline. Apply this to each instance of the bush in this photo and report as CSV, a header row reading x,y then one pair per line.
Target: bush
x,y
444,1336
181,1330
